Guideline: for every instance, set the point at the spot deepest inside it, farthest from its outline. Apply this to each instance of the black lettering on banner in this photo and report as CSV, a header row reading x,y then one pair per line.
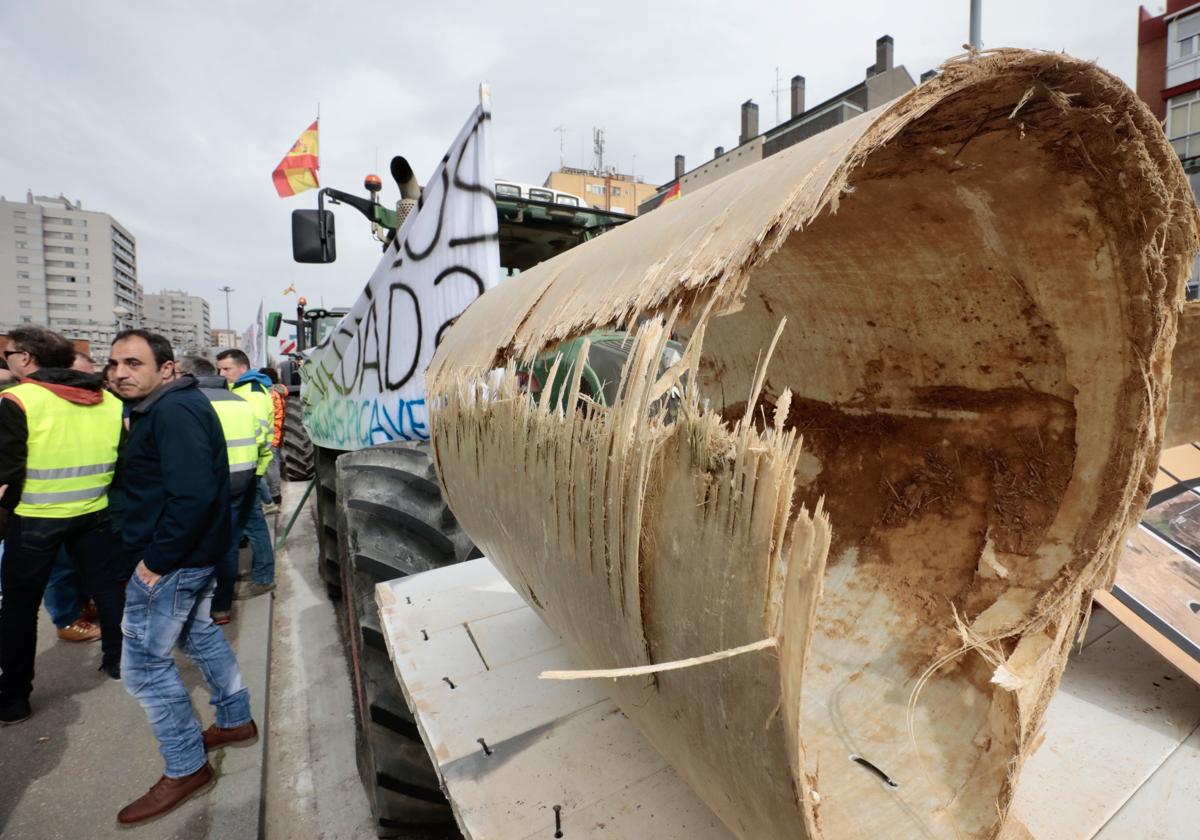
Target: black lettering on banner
x,y
370,352
400,300
441,217
486,189
437,281
377,350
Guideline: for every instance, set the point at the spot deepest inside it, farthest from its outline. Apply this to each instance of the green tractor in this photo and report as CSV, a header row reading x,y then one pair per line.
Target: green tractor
x,y
312,327
379,509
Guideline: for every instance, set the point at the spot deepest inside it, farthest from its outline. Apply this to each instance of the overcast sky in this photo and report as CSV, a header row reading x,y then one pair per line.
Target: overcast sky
x,y
172,115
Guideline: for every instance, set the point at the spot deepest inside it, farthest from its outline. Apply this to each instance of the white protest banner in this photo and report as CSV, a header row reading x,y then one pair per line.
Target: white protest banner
x,y
252,340
365,384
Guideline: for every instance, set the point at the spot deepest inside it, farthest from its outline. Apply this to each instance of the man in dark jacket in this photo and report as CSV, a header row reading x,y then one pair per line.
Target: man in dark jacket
x,y
59,433
248,445
174,472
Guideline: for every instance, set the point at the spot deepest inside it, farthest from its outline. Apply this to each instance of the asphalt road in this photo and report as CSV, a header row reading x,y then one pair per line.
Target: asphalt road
x,y
313,789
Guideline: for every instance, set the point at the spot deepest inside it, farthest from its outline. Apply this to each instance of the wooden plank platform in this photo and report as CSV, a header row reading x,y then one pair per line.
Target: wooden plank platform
x,y
509,747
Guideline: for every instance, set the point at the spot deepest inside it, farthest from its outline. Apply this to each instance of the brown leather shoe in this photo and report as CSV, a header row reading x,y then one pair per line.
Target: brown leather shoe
x,y
166,795
239,736
79,631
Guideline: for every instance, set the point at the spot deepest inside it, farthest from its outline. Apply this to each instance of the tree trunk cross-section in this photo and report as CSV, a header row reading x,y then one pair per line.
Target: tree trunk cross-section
x,y
922,398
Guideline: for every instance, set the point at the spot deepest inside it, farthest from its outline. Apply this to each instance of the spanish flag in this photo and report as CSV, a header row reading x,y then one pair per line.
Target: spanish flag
x,y
297,171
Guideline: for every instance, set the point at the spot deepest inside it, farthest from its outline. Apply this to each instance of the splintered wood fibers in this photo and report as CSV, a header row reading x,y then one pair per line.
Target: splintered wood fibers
x,y
952,321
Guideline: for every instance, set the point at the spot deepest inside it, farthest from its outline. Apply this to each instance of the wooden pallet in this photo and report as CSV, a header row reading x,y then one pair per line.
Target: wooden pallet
x,y
509,747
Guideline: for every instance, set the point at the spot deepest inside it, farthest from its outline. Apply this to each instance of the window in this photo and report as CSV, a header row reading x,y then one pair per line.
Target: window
x,y
1183,124
21,243
23,289
68,236
595,189
22,260
569,200
22,275
616,191
18,214
1183,58
24,304
509,190
19,230
541,195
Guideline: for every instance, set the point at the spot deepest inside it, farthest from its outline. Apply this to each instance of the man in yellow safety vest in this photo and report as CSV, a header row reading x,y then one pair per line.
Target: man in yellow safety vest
x,y
59,434
255,388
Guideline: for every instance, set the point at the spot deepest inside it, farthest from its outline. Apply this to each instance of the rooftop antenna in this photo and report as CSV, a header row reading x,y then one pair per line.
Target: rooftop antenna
x,y
598,147
562,135
776,90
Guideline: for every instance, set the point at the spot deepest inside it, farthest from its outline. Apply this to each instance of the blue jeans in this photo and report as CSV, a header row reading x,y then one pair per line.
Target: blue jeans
x,y
175,613
262,567
227,569
62,599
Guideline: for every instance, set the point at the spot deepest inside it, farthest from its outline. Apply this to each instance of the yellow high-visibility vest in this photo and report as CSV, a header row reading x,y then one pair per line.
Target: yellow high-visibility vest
x,y
72,453
264,409
239,424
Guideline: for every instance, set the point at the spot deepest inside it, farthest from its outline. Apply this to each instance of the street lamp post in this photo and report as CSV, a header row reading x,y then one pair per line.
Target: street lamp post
x,y
227,290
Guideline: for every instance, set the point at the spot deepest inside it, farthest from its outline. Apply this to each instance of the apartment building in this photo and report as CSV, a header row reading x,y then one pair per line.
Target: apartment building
x,y
184,319
1168,80
67,268
883,82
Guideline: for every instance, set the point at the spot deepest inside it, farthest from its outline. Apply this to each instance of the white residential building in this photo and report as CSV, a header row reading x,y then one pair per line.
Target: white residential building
x,y
67,268
182,318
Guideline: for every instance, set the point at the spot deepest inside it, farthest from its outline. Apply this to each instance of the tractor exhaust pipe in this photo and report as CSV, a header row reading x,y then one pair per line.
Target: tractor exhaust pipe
x,y
405,179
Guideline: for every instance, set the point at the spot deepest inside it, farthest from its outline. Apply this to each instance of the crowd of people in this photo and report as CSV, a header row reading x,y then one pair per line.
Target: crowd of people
x,y
125,495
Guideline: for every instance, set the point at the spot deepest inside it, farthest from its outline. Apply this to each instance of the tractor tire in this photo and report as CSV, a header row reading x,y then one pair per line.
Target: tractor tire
x,y
392,522
328,558
296,448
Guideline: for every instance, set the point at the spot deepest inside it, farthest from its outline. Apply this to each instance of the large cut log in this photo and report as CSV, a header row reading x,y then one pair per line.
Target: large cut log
x,y
923,393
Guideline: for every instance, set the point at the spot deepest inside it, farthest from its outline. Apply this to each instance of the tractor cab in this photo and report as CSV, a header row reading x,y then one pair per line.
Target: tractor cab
x,y
313,326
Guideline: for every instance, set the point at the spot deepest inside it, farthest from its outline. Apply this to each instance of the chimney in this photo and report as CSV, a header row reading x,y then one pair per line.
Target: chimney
x,y
797,96
679,168
927,75
749,121
717,152
870,70
883,54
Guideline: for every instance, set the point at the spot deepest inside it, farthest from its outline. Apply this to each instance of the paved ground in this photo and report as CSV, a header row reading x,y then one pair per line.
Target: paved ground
x,y
313,789
88,749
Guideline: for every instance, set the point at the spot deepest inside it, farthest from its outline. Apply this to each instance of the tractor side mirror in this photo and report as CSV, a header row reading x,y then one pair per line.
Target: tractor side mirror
x,y
313,236
274,319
